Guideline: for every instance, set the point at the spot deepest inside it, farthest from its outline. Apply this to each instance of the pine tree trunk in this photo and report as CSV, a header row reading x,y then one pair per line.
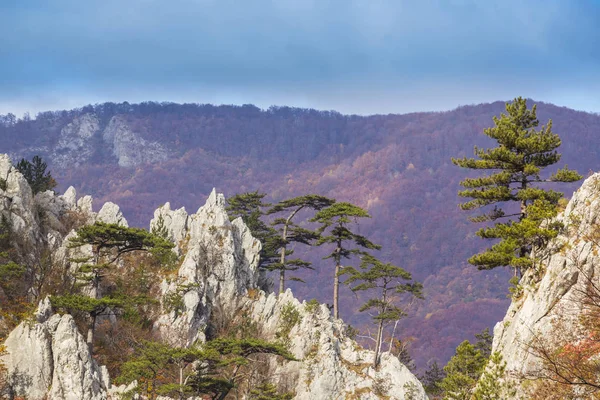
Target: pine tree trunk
x,y
90,334
336,289
180,382
336,281
378,345
283,250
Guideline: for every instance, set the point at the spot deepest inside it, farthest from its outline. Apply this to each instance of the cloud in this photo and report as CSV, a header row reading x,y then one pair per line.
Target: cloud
x,y
298,51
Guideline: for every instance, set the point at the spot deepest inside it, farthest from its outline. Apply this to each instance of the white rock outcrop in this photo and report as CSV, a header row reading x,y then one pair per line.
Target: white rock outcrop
x,y
129,147
75,146
333,366
220,264
552,293
49,359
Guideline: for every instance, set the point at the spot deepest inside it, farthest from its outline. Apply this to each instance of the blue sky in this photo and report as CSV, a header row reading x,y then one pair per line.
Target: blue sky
x,y
354,56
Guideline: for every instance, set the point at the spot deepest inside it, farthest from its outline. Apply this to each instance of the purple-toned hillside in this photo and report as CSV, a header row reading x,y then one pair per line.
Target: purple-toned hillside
x,y
397,166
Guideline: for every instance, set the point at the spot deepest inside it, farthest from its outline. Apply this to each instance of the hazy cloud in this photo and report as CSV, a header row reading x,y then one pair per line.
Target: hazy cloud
x,y
351,55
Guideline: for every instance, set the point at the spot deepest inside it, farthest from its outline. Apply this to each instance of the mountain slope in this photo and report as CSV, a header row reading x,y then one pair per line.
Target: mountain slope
x,y
397,166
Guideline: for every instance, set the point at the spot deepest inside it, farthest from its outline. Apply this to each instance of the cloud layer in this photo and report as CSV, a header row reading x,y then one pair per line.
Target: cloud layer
x,y
350,55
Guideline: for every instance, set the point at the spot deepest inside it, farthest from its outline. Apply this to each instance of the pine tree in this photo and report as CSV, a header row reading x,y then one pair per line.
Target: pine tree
x,y
108,242
336,219
484,342
492,384
36,175
433,376
212,369
388,280
291,232
462,372
249,206
515,167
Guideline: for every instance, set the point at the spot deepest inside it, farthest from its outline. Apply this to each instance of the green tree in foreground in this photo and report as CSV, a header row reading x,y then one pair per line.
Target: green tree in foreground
x,y
336,219
391,283
492,384
462,372
515,166
36,175
109,242
433,376
292,233
210,370
249,206
475,373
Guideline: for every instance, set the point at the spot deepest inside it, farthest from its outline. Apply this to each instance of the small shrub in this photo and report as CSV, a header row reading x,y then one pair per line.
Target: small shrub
x,y
352,332
2,184
515,289
290,316
312,306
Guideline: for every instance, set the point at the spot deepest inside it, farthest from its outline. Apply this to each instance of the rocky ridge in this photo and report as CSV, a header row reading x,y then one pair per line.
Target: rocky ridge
x,y
47,356
548,307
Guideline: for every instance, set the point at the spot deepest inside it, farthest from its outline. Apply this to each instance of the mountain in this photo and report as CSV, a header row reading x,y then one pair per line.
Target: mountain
x,y
396,166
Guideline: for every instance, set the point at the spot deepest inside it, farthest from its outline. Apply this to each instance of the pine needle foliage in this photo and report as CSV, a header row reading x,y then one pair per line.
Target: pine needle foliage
x,y
335,220
250,206
212,369
462,372
389,282
36,175
292,233
515,168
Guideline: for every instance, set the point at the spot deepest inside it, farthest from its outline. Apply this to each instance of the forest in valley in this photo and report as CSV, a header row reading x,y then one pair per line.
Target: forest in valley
x,y
397,167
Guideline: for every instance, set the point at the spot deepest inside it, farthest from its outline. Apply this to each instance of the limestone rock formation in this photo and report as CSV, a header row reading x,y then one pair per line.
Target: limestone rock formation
x,y
75,145
218,279
550,303
129,147
220,264
333,365
48,358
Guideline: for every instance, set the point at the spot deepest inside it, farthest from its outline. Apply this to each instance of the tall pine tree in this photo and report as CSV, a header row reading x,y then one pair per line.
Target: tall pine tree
x,y
290,232
389,281
336,219
515,171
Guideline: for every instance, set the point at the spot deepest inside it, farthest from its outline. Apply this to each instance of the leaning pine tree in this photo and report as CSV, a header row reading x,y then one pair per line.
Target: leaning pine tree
x,y
515,166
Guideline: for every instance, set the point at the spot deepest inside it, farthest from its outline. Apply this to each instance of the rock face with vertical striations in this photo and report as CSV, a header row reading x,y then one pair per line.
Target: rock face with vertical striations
x,y
49,359
129,148
550,304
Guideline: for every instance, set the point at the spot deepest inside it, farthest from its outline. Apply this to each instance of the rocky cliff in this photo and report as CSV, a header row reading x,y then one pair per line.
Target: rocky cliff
x,y
218,279
551,301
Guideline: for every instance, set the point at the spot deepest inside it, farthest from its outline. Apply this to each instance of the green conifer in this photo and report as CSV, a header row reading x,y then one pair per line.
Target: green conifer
x,y
290,232
515,166
387,280
336,219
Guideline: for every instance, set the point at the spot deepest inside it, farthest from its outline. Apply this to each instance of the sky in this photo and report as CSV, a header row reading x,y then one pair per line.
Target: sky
x,y
353,56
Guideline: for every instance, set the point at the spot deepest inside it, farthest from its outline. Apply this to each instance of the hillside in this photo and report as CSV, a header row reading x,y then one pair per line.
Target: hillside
x,y
397,166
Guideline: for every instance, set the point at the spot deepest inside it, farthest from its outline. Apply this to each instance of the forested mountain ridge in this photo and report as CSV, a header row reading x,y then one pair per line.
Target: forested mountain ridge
x,y
396,166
